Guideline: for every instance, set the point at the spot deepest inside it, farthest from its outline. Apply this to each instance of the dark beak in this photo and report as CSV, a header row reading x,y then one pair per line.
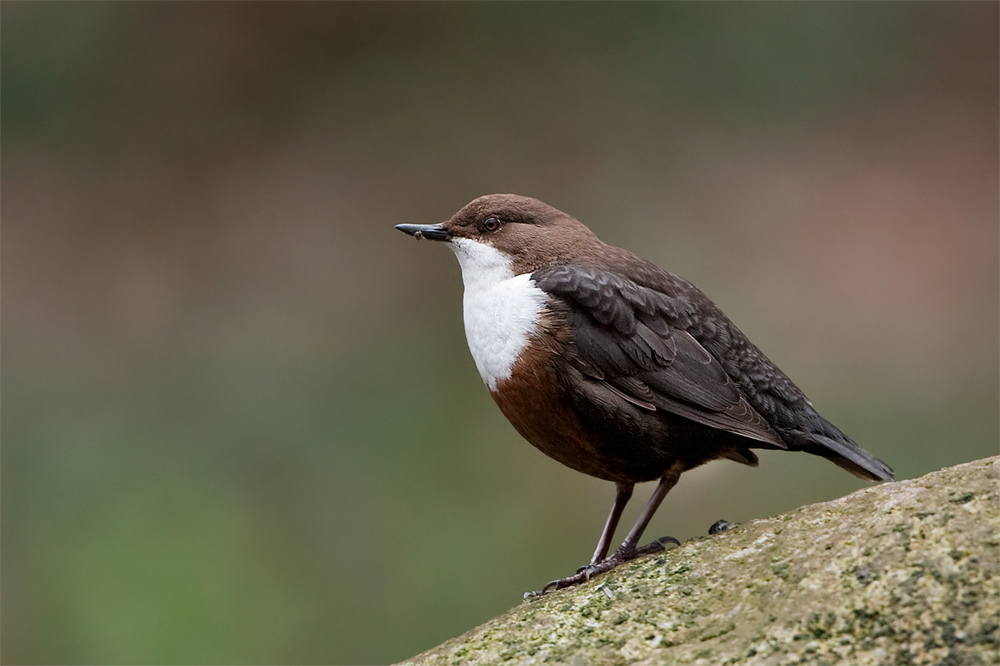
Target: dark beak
x,y
429,231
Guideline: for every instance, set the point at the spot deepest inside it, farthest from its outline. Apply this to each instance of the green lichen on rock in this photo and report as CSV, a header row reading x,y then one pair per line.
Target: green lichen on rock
x,y
901,573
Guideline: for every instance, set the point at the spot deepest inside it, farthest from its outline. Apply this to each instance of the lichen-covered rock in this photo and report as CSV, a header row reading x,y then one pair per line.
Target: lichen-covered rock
x,y
902,573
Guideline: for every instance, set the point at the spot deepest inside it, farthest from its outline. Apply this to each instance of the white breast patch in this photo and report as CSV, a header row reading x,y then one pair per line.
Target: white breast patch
x,y
501,309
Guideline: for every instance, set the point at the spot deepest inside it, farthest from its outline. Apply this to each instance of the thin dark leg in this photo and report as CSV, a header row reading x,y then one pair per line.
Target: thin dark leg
x,y
666,483
627,551
622,495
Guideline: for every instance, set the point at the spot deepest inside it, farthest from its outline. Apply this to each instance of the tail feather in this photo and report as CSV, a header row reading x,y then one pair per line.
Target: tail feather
x,y
839,449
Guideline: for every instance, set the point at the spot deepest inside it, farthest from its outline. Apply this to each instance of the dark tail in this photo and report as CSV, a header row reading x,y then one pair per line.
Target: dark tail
x,y
841,450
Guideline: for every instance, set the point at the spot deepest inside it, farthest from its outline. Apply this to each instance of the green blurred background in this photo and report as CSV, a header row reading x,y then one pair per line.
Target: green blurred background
x,y
240,423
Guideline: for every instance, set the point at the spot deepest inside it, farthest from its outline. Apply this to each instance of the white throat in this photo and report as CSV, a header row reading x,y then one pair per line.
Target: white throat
x,y
501,310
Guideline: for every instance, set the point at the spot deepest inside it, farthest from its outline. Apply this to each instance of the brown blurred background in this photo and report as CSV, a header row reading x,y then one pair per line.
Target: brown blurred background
x,y
241,424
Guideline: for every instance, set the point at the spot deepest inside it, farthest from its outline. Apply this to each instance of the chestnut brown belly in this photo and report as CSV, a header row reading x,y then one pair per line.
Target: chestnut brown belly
x,y
531,401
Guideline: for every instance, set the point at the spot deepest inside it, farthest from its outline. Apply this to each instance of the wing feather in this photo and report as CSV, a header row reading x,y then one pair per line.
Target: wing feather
x,y
623,337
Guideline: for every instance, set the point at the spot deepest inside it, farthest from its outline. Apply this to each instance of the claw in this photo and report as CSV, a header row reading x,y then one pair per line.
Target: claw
x,y
535,594
620,556
720,526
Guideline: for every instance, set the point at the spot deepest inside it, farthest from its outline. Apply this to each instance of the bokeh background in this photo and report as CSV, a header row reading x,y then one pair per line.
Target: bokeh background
x,y
240,422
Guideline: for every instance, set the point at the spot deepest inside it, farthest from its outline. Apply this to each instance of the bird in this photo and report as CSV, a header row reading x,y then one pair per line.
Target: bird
x,y
615,367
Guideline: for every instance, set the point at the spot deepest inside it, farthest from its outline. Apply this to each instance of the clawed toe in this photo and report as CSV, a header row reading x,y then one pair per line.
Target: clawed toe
x,y
720,526
559,584
657,546
624,555
620,556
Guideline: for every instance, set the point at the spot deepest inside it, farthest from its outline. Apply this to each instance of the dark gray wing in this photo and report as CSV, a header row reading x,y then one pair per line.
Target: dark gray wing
x,y
623,338
764,386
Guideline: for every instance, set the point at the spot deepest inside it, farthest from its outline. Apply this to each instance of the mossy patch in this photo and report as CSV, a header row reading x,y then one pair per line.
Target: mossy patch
x,y
902,573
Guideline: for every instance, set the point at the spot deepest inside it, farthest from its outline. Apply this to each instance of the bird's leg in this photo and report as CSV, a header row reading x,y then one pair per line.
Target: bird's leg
x,y
627,551
623,492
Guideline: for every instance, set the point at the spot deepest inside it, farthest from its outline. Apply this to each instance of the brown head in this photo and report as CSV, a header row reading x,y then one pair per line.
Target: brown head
x,y
528,233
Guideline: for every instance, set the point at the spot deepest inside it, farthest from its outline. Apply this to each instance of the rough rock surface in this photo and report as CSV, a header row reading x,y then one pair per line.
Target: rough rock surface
x,y
901,573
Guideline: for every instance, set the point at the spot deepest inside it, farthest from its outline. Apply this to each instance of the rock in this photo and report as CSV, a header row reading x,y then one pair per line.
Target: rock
x,y
901,573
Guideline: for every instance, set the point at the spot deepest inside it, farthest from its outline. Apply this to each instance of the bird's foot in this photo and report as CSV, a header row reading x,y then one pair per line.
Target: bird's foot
x,y
720,526
620,556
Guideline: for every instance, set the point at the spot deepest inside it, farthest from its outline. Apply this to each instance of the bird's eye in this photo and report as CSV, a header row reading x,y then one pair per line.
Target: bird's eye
x,y
492,223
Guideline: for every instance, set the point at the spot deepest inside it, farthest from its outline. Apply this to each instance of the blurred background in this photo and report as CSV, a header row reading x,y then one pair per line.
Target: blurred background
x,y
241,424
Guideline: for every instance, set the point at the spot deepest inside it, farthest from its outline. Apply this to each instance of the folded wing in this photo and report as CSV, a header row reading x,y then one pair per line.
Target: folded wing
x,y
624,338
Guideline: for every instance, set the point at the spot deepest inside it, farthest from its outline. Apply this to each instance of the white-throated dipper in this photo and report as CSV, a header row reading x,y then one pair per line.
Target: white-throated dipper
x,y
615,367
